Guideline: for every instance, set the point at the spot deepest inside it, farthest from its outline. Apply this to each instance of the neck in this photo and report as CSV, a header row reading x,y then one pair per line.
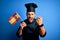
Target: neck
x,y
31,22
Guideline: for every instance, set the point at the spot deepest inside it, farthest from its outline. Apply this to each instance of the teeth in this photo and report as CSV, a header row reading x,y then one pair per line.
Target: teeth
x,y
31,18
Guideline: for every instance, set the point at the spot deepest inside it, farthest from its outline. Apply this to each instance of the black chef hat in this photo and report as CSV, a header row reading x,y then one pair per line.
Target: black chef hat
x,y
30,7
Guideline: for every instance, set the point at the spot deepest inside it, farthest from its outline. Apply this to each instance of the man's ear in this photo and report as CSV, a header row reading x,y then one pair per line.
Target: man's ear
x,y
34,14
26,14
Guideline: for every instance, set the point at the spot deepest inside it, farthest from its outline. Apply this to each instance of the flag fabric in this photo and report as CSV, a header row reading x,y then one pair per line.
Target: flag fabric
x,y
14,18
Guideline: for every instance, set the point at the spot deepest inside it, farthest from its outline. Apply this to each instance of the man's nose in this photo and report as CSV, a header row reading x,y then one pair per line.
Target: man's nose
x,y
30,15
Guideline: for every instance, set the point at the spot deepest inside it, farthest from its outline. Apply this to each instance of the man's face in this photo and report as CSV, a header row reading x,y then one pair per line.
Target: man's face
x,y
30,16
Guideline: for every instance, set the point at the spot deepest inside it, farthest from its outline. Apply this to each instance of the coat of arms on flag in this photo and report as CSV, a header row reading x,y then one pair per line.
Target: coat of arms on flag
x,y
14,18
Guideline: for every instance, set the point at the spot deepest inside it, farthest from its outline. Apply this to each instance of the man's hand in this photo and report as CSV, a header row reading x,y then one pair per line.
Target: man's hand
x,y
23,24
39,20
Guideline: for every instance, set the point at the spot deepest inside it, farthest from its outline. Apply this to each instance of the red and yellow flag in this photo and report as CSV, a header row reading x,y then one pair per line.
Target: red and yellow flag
x,y
14,18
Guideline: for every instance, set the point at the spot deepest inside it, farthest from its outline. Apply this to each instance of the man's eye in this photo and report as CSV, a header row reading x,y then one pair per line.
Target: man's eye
x,y
28,14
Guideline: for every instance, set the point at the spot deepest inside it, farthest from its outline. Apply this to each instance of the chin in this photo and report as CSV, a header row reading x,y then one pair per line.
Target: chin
x,y
30,21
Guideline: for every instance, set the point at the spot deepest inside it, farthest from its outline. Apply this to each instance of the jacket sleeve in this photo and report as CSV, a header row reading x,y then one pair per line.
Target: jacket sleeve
x,y
17,33
43,35
40,34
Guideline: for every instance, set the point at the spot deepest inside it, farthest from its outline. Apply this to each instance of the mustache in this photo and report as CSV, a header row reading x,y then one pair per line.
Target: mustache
x,y
30,18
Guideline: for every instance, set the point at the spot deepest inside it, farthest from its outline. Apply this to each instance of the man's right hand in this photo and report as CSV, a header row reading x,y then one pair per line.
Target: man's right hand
x,y
23,24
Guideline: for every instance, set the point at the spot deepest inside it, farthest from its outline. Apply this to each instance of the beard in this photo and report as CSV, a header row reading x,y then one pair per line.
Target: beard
x,y
30,19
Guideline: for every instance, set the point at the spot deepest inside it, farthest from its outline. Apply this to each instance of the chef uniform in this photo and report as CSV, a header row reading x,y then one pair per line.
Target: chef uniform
x,y
31,32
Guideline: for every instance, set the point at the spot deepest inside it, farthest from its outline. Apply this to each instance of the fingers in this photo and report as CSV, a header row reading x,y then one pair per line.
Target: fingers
x,y
23,24
39,20
39,17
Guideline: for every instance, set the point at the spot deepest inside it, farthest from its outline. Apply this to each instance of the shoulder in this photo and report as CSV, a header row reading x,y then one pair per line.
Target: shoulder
x,y
34,20
25,20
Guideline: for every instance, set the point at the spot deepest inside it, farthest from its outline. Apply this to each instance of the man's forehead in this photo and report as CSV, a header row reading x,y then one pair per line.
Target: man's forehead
x,y
30,12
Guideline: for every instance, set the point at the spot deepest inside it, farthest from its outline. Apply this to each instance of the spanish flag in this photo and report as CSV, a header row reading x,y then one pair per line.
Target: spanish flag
x,y
14,18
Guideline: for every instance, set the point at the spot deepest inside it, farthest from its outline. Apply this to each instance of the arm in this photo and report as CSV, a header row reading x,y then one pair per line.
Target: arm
x,y
42,31
19,32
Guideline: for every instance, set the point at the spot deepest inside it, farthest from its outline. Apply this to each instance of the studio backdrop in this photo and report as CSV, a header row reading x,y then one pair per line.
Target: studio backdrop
x,y
48,9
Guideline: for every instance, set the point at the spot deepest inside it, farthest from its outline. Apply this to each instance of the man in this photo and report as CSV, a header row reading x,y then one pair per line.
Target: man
x,y
31,28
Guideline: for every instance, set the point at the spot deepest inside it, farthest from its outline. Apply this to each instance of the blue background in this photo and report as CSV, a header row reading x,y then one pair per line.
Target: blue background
x,y
48,9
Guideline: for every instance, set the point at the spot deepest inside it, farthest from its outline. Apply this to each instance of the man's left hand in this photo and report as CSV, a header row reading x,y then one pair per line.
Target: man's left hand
x,y
39,20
